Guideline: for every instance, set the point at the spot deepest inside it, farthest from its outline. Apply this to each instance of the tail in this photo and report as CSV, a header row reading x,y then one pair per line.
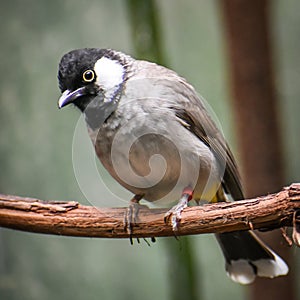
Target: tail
x,y
247,257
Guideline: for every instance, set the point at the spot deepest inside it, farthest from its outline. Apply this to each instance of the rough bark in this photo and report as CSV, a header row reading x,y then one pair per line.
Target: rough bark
x,y
73,219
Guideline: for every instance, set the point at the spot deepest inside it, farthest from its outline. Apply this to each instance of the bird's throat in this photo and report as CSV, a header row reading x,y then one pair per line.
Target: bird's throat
x,y
97,114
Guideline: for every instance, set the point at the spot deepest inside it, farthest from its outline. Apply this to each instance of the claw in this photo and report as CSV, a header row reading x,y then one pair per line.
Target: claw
x,y
174,214
131,215
131,218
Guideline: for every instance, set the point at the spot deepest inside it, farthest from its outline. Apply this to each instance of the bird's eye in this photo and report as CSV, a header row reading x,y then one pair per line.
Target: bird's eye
x,y
88,76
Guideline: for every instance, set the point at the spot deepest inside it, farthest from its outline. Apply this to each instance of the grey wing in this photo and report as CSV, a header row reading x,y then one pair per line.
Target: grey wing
x,y
182,98
191,112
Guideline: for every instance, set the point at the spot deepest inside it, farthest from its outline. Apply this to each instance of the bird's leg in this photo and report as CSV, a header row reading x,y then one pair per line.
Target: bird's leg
x,y
174,214
131,215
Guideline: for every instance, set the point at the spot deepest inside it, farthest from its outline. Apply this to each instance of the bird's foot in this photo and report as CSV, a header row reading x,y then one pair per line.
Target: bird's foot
x,y
131,215
174,214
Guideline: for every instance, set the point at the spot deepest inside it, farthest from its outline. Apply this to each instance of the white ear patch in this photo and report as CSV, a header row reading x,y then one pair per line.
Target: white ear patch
x,y
109,73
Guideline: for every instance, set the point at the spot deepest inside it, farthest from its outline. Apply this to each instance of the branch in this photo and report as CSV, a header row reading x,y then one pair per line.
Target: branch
x,y
73,219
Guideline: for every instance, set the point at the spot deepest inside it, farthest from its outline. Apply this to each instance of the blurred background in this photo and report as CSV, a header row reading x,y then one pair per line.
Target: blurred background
x,y
43,149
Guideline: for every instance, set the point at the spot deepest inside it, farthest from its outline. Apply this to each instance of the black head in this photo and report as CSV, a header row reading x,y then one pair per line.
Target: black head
x,y
84,73
73,64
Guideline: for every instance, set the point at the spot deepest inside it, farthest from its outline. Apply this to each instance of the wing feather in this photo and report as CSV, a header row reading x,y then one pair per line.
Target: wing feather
x,y
191,111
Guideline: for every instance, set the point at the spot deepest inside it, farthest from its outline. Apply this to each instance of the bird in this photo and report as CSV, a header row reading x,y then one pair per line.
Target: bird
x,y
154,135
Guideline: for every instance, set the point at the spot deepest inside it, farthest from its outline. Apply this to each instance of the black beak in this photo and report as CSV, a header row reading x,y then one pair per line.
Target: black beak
x,y
68,96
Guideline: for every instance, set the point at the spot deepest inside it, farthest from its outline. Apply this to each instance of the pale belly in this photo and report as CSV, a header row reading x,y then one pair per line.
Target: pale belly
x,y
159,165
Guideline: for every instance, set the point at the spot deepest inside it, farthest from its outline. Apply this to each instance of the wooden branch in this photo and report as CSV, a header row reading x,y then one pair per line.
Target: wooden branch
x,y
73,219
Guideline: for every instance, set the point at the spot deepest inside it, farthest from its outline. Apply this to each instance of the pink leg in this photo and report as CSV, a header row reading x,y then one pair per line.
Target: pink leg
x,y
174,214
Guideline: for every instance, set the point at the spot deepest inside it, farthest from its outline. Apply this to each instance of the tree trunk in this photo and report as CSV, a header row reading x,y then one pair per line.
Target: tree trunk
x,y
256,119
